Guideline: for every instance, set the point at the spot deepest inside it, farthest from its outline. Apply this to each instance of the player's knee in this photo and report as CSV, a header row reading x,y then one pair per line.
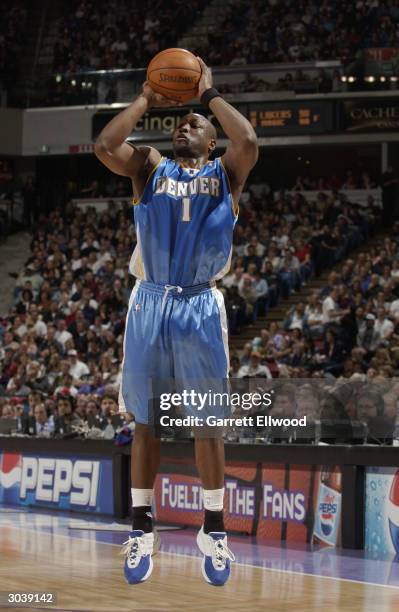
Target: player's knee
x,y
210,436
144,433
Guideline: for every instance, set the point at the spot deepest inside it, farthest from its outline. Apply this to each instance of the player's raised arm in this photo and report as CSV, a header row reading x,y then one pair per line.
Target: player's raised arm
x,y
242,151
111,148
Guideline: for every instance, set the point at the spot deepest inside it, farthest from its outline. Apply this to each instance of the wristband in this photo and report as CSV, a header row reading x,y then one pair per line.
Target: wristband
x,y
208,95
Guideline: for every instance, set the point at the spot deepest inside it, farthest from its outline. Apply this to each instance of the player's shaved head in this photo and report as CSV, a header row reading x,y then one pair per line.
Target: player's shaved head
x,y
189,141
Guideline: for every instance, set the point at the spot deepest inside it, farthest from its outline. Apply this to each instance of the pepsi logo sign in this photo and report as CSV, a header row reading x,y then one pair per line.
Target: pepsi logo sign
x,y
48,479
328,510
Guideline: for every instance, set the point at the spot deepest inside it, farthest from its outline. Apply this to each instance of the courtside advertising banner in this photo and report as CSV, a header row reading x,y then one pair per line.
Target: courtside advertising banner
x,y
382,510
59,482
295,503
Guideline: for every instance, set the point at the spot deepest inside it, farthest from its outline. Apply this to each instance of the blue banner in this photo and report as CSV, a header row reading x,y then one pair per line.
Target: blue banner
x,y
63,482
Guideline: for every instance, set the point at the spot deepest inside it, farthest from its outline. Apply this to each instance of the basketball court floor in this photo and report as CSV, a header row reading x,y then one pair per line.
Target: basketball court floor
x,y
80,561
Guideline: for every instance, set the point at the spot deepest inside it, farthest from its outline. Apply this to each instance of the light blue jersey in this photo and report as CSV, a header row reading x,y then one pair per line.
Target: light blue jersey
x,y
176,325
184,223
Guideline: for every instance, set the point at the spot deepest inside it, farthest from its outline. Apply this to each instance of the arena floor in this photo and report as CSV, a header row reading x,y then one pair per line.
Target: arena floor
x,y
81,564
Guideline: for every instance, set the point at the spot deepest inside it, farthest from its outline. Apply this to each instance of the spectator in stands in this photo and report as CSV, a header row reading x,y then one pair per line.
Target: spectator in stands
x,y
25,301
66,386
371,413
35,377
261,289
78,369
383,325
7,411
334,354
109,406
254,369
246,354
43,425
313,317
295,318
16,385
368,337
330,307
35,323
252,257
238,313
248,292
67,418
62,335
261,343
273,283
234,366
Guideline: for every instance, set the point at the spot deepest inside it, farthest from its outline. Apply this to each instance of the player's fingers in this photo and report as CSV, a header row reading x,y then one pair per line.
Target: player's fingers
x,y
170,102
163,100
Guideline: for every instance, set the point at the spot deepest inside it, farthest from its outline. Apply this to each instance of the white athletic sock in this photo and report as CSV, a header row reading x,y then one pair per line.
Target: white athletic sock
x,y
142,497
213,499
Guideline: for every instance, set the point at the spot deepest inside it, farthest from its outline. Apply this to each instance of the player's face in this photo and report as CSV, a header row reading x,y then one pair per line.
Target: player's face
x,y
191,137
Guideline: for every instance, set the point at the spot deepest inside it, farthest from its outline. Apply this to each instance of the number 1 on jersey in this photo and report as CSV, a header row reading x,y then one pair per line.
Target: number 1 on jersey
x,y
186,213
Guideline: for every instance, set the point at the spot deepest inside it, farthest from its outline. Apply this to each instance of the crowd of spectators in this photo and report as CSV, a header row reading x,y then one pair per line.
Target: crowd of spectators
x,y
13,26
63,339
334,182
350,326
278,248
347,333
341,342
128,34
300,81
119,34
290,31
94,37
317,411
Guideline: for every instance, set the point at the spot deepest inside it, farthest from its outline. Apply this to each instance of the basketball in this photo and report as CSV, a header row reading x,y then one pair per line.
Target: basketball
x,y
175,74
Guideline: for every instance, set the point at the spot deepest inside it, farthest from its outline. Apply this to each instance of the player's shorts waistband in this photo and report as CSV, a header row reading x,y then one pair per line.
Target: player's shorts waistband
x,y
175,289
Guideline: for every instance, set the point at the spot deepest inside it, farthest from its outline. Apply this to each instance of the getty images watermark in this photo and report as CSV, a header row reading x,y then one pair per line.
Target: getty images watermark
x,y
212,400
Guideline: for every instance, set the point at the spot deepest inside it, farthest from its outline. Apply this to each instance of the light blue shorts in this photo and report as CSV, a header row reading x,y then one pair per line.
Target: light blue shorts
x,y
175,339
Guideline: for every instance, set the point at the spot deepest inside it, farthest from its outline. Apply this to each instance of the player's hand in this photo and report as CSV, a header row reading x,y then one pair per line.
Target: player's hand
x,y
156,99
206,80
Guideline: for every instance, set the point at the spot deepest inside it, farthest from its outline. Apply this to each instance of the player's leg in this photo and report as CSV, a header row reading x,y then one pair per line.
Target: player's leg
x,y
145,459
145,359
209,458
202,365
212,537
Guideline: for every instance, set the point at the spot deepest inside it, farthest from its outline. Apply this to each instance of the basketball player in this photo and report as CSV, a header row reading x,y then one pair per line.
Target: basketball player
x,y
185,210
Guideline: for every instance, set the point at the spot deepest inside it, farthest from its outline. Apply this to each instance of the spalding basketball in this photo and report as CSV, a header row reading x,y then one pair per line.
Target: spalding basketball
x,y
175,74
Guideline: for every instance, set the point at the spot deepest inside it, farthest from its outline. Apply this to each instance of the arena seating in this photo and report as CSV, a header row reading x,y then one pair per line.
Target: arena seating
x,y
63,337
262,32
92,36
358,340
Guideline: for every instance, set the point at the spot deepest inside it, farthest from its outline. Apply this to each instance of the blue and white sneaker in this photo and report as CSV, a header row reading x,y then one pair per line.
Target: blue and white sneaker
x,y
138,550
217,556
